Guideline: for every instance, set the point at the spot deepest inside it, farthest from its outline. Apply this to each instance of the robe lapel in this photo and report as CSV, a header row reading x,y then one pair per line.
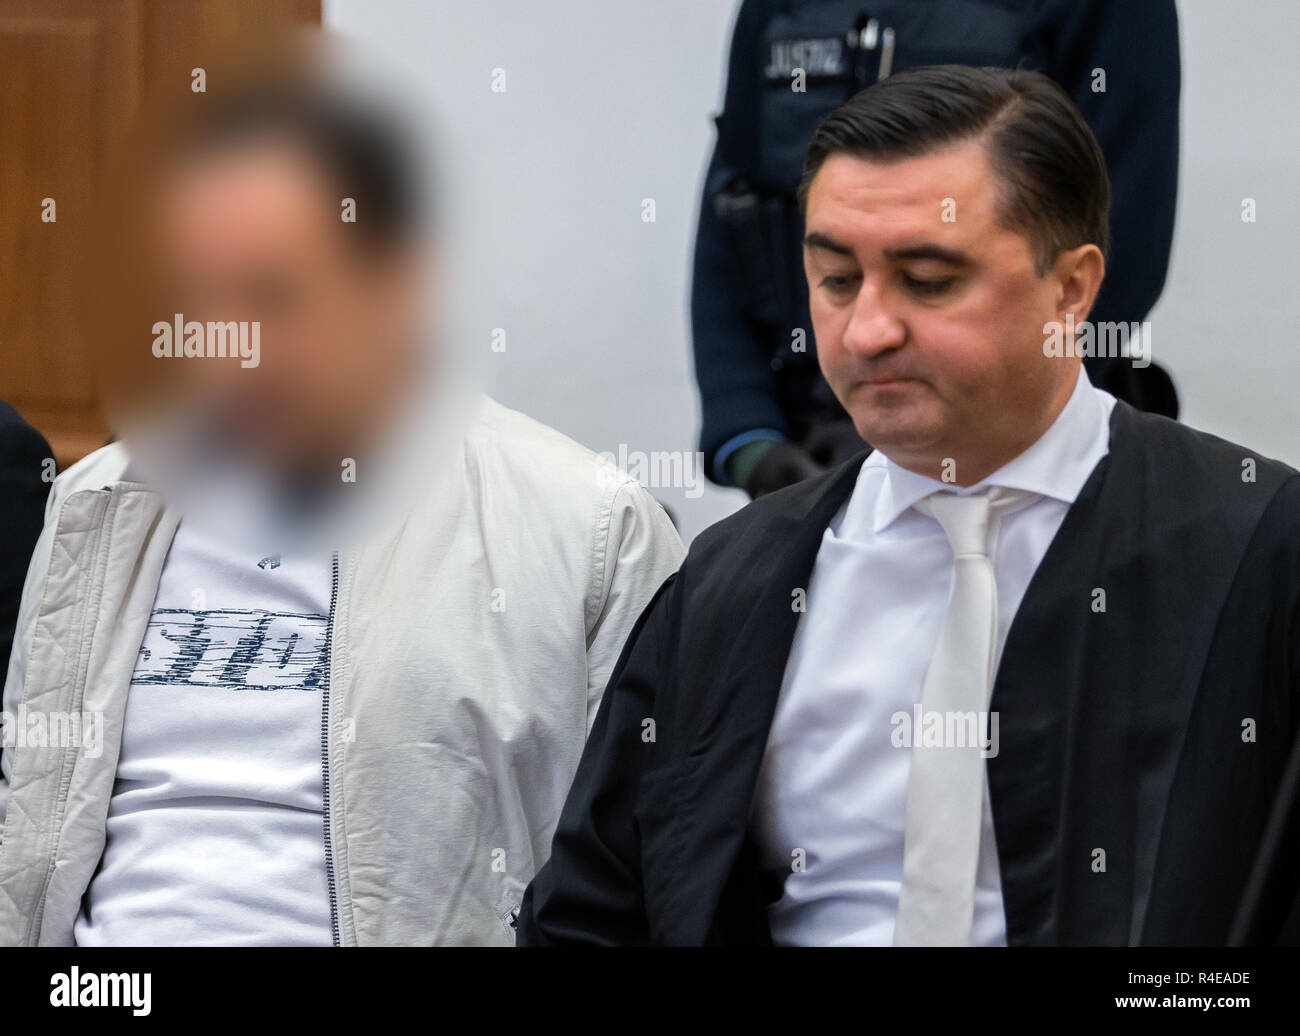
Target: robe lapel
x,y
736,712
1035,692
1098,680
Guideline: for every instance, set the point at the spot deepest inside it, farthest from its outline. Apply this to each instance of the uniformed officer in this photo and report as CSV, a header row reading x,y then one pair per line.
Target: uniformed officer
x,y
769,418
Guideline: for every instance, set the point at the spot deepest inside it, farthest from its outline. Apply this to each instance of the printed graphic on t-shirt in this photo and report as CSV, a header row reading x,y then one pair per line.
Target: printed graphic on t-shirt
x,y
236,648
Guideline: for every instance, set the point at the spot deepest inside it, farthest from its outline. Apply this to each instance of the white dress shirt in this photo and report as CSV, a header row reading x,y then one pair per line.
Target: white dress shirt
x,y
830,805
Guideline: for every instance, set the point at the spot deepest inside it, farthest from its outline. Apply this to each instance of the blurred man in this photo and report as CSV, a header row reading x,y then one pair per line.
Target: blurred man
x,y
1096,609
343,648
769,417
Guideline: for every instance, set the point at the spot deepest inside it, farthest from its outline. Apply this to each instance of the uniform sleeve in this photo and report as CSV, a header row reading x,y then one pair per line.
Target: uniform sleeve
x,y
737,392
1135,43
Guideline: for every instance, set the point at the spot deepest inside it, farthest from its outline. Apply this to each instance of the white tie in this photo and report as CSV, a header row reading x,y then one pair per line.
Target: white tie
x,y
945,785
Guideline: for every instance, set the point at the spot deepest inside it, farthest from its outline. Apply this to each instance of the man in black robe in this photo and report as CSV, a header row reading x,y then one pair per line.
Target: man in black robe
x,y
1112,597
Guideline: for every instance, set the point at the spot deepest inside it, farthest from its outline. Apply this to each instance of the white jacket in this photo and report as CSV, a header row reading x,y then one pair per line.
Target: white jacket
x,y
451,728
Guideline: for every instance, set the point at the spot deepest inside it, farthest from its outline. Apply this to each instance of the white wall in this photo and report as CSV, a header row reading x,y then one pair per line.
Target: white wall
x,y
608,102
1225,324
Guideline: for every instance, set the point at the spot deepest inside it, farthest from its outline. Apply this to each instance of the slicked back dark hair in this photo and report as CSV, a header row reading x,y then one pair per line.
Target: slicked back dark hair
x,y
1056,189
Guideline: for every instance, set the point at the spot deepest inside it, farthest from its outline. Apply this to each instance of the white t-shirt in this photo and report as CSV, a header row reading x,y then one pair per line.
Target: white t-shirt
x,y
215,832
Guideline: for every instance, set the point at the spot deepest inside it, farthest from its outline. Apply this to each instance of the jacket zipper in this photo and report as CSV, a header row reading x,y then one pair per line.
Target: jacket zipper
x,y
325,750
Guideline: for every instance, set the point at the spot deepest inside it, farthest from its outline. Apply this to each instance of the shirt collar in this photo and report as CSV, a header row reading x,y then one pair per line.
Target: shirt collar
x,y
1057,465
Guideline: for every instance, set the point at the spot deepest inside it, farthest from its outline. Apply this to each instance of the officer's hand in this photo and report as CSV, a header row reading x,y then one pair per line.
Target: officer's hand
x,y
833,443
782,465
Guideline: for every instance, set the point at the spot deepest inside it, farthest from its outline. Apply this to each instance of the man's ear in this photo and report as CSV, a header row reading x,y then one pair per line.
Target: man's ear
x,y
1079,272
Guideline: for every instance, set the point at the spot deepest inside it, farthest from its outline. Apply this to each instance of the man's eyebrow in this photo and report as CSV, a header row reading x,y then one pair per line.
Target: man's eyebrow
x,y
928,251
816,239
819,240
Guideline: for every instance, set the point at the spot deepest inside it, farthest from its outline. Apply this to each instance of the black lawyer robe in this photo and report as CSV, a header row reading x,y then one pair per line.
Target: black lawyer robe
x,y
1154,735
